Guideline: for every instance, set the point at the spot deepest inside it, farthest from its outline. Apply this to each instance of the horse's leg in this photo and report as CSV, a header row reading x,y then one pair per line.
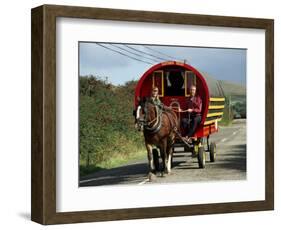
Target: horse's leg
x,y
163,160
169,162
163,150
169,154
150,158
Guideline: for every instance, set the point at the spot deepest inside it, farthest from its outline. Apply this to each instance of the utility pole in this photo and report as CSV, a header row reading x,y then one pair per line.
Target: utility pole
x,y
229,107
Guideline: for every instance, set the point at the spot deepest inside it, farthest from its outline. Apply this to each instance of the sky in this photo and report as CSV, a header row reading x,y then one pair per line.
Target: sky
x,y
119,63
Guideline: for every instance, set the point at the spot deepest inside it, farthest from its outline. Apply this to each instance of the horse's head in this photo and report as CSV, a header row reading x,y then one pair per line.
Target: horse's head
x,y
146,113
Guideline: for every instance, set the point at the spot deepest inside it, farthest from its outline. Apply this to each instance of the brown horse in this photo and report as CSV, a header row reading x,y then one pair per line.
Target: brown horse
x,y
158,127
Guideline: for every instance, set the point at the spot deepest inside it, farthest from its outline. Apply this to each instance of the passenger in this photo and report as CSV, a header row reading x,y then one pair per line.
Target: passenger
x,y
194,109
154,99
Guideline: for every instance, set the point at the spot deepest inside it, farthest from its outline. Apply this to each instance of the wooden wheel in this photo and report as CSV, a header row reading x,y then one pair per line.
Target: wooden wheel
x,y
201,157
213,149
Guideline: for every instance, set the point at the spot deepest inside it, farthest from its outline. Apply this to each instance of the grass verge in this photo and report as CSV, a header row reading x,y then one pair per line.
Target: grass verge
x,y
116,160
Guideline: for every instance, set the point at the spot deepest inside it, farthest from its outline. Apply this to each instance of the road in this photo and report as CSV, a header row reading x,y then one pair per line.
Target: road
x,y
230,163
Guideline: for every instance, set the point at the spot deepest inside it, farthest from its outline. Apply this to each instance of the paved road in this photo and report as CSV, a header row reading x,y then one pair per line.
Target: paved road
x,y
230,163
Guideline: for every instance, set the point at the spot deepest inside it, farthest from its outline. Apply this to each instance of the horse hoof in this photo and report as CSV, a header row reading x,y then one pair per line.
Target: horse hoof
x,y
162,174
151,176
158,174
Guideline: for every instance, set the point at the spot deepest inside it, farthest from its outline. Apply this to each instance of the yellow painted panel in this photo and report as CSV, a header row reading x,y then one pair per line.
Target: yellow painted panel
x,y
214,114
162,81
216,106
211,121
217,99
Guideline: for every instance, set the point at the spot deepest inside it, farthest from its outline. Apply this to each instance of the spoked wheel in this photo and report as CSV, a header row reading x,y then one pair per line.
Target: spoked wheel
x,y
201,157
155,155
213,149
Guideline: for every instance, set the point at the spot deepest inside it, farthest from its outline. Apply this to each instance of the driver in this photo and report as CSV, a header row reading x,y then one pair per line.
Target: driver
x,y
194,108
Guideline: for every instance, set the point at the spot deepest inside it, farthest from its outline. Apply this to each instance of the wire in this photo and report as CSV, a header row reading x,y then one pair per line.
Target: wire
x,y
160,58
124,54
136,54
157,51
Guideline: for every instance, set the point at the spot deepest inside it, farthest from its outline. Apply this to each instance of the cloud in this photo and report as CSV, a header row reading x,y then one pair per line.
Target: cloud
x,y
95,56
223,64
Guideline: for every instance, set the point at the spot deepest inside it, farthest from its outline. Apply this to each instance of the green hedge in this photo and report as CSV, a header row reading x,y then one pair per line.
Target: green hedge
x,y
106,122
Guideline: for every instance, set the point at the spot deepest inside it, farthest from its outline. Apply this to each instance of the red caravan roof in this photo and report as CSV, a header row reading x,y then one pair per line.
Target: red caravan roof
x,y
176,64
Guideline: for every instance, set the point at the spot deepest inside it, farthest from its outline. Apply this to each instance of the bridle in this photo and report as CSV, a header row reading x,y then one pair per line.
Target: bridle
x,y
151,126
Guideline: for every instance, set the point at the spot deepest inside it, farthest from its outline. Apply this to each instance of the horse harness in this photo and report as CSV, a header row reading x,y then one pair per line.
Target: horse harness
x,y
157,126
158,121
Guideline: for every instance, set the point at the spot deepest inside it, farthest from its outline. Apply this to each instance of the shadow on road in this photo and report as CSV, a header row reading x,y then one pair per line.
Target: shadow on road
x,y
231,158
234,158
117,175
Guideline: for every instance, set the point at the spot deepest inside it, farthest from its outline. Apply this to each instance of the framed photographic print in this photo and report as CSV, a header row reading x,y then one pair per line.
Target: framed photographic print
x,y
139,114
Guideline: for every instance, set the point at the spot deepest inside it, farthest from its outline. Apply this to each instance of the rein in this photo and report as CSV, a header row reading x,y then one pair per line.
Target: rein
x,y
176,109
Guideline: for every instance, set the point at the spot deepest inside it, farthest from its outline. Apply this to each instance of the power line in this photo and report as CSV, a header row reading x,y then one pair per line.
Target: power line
x,y
116,51
149,54
159,52
136,54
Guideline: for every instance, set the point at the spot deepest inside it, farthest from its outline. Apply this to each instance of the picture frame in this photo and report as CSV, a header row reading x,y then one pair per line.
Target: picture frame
x,y
43,97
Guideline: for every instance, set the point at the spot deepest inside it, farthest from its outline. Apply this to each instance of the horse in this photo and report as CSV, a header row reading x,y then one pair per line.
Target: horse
x,y
158,126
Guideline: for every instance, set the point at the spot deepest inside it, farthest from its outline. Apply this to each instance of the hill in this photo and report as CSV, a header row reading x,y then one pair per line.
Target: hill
x,y
235,95
224,88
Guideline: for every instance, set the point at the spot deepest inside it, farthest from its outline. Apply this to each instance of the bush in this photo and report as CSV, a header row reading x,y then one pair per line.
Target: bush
x,y
106,122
